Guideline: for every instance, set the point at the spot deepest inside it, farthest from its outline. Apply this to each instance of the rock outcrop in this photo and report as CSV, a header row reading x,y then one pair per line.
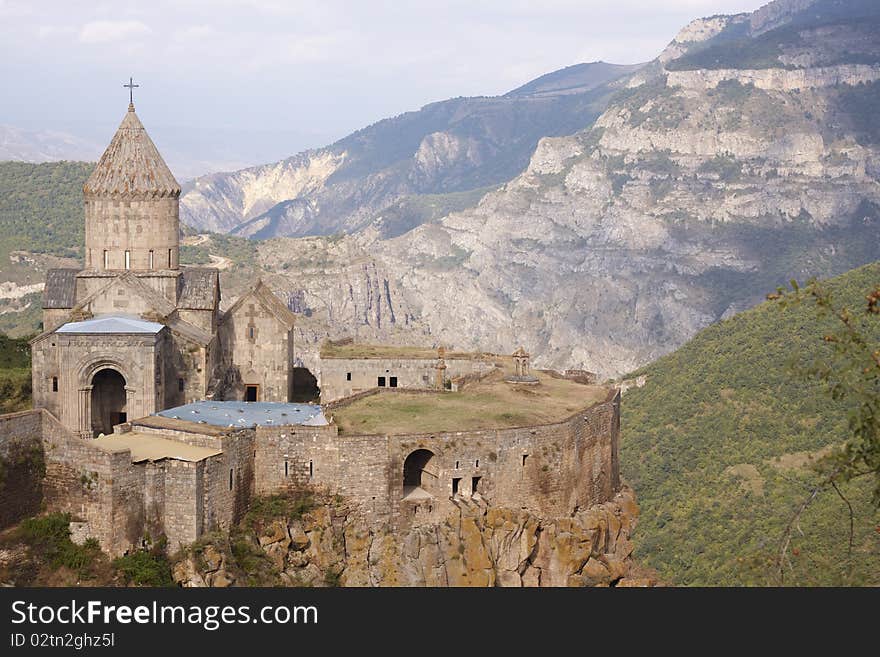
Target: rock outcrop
x,y
478,546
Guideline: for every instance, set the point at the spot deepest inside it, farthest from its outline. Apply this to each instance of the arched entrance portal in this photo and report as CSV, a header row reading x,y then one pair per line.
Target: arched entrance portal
x,y
419,474
108,401
304,386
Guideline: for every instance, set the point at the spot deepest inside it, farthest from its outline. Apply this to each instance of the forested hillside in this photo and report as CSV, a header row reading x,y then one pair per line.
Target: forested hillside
x,y
15,374
717,444
41,207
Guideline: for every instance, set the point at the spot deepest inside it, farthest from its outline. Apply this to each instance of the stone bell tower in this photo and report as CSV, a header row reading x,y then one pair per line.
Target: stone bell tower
x,y
132,211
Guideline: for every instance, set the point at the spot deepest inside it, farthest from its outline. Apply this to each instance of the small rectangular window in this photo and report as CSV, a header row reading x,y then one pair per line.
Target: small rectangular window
x,y
54,384
477,463
455,482
128,259
230,478
456,465
311,468
392,382
475,483
251,332
106,259
381,382
181,385
525,456
348,376
169,259
151,258
286,469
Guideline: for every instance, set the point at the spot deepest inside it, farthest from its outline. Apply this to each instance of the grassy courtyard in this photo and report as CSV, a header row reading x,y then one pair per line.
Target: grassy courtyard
x,y
490,404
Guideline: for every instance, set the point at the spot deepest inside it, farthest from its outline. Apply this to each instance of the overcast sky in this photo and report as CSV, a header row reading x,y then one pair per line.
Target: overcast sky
x,y
270,77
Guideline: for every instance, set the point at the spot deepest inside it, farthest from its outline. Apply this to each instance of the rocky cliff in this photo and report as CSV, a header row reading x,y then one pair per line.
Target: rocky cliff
x,y
743,157
446,147
478,546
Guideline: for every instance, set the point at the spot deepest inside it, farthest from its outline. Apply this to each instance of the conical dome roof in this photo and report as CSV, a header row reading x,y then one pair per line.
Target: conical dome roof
x,y
131,166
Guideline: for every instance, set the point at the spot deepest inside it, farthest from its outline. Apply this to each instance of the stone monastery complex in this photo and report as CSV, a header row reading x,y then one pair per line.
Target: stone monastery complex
x,y
156,414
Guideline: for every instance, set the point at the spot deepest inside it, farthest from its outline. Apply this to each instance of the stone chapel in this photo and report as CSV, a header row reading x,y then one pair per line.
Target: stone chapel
x,y
133,332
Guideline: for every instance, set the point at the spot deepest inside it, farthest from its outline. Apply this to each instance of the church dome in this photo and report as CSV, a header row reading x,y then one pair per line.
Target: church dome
x,y
131,167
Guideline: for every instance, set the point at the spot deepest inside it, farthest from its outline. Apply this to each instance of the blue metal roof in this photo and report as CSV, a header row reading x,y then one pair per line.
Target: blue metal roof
x,y
247,414
111,324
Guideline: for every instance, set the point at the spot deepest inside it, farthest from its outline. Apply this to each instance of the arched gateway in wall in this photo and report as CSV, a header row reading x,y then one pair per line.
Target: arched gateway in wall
x,y
420,474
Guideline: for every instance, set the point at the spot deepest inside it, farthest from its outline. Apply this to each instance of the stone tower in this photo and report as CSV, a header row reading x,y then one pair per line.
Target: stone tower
x,y
132,210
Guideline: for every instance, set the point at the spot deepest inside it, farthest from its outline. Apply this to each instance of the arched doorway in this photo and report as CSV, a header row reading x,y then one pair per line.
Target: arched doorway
x,y
304,386
419,474
108,401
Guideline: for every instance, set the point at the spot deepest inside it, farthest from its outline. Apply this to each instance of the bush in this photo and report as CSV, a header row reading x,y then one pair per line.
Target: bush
x,y
145,568
49,536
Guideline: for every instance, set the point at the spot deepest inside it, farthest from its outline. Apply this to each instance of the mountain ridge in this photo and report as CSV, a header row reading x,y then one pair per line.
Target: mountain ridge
x,y
447,146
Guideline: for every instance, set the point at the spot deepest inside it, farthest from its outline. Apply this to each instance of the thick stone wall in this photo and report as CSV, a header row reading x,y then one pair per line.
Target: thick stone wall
x,y
229,481
21,466
343,377
550,470
183,491
216,504
92,485
294,456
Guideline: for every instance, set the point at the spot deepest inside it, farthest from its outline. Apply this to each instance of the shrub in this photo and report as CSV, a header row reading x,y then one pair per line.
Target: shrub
x,y
145,568
49,536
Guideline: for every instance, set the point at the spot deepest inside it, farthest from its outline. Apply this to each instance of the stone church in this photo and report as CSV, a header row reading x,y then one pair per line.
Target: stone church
x,y
134,332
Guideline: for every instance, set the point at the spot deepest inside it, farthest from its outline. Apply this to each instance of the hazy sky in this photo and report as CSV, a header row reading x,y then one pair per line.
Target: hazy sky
x,y
260,79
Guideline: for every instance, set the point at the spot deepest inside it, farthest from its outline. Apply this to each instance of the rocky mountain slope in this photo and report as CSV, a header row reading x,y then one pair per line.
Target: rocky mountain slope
x,y
745,155
17,144
694,194
450,146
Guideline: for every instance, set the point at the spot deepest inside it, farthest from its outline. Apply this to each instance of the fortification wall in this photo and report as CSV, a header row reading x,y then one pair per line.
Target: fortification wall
x,y
550,470
21,466
98,487
183,492
342,377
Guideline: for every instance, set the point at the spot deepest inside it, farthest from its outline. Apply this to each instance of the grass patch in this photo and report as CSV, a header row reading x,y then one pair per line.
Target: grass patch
x,y
292,505
489,404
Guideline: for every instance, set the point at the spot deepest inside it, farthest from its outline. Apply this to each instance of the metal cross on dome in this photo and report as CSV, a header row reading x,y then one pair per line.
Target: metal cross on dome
x,y
131,87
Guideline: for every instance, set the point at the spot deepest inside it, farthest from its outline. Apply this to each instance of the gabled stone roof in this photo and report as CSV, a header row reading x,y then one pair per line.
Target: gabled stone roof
x,y
160,305
190,332
199,289
60,290
266,298
131,167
